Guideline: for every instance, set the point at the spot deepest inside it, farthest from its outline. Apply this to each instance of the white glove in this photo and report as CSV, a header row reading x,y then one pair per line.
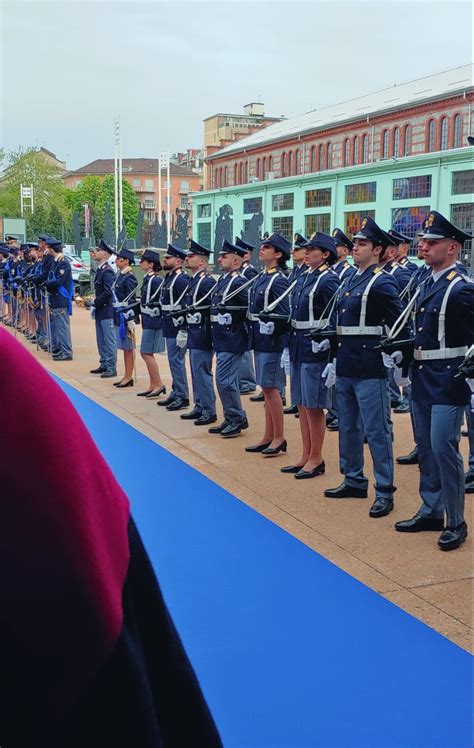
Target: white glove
x,y
129,314
131,325
194,319
224,319
178,321
285,360
266,328
392,359
329,374
399,379
182,339
324,345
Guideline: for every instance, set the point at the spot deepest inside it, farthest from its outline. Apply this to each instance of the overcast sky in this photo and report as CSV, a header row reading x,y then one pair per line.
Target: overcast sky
x,y
69,67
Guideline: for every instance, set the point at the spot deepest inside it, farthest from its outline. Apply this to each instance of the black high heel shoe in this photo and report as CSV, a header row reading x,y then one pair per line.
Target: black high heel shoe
x,y
318,470
152,394
292,469
125,384
271,452
258,447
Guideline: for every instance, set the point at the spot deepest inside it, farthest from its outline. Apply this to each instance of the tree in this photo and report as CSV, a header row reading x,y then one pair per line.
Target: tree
x,y
28,166
129,202
56,223
89,192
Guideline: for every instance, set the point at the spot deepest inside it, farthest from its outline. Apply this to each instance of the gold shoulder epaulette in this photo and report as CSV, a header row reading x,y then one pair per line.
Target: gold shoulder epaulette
x,y
451,275
377,269
322,267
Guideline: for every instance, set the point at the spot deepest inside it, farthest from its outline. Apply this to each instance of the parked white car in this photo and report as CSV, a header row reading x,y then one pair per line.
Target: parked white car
x,y
77,266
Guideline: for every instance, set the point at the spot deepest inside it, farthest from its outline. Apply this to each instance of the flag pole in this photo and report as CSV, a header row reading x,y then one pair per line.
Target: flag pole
x,y
168,192
120,181
116,185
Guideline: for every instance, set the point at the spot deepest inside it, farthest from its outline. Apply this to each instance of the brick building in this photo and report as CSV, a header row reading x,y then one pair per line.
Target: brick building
x,y
142,174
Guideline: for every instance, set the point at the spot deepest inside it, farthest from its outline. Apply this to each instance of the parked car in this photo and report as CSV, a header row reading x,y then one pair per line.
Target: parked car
x,y
77,266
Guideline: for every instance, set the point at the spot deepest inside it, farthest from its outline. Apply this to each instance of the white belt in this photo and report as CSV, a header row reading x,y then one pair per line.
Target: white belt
x,y
253,317
378,330
167,307
317,324
152,311
440,353
213,317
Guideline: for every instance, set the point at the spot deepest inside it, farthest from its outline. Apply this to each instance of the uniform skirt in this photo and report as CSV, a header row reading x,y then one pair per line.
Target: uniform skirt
x,y
268,371
307,385
152,341
123,344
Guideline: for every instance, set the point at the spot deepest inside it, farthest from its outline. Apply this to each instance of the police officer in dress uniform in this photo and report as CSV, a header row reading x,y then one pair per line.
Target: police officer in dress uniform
x,y
173,291
103,311
343,268
312,309
197,309
126,312
444,329
401,253
299,267
39,280
247,369
60,288
367,301
268,316
152,322
229,306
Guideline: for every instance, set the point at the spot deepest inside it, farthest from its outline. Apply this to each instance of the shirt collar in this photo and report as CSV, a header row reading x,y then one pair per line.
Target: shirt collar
x,y
439,274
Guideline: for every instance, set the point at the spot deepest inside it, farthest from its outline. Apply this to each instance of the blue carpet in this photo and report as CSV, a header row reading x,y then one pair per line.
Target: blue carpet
x,y
291,651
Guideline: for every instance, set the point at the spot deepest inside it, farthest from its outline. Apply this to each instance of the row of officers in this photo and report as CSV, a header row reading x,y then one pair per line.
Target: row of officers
x,y
334,327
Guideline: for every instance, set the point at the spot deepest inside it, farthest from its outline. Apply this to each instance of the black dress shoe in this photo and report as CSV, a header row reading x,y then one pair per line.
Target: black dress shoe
x,y
381,507
121,385
62,358
143,394
191,416
99,370
205,420
452,537
420,524
291,411
218,429
258,398
291,469
318,470
410,459
402,408
343,491
170,399
234,429
333,425
178,404
108,374
156,393
257,447
272,451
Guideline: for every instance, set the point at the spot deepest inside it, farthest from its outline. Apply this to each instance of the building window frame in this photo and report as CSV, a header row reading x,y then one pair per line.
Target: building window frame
x,y
386,143
444,134
431,136
457,130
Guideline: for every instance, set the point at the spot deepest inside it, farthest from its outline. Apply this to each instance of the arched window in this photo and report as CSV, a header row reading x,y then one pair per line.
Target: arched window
x,y
283,164
356,150
236,173
225,176
257,169
298,162
385,143
320,158
347,152
365,149
270,163
396,143
216,179
290,163
246,174
241,173
329,156
312,162
444,133
407,143
221,182
457,142
432,135
264,167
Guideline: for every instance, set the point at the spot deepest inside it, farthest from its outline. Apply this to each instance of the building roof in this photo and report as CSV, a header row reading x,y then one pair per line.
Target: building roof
x,y
242,116
431,87
129,166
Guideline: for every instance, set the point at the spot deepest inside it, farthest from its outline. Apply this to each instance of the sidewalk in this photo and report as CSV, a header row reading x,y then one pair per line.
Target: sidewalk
x,y
407,569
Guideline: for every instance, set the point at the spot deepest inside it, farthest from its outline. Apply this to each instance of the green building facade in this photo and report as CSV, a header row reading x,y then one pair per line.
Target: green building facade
x,y
395,192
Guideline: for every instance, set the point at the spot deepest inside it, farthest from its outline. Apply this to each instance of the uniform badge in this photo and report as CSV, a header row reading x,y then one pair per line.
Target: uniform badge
x,y
377,270
364,223
430,220
451,275
334,233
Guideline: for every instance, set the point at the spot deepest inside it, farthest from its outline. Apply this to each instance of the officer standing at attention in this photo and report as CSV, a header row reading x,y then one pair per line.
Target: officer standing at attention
x,y
342,267
60,287
247,369
172,295
312,308
103,311
387,262
152,323
229,306
269,311
401,252
366,302
197,309
443,333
